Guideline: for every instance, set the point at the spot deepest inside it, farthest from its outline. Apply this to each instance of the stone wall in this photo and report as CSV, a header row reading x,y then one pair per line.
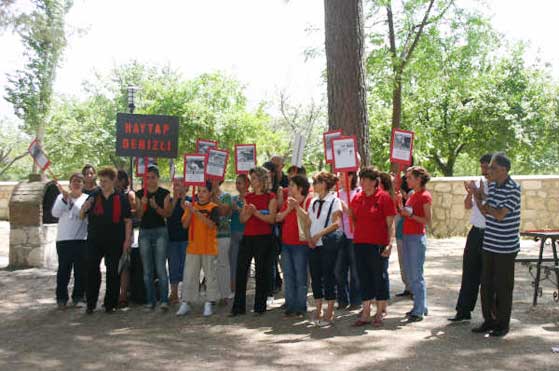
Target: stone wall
x,y
540,204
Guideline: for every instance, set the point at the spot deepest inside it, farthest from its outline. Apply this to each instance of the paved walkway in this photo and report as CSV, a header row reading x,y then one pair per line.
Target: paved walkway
x,y
36,336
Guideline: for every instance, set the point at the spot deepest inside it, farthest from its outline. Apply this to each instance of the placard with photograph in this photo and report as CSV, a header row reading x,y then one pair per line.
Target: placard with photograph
x,y
204,145
38,155
401,147
141,167
327,140
245,158
217,163
344,153
195,169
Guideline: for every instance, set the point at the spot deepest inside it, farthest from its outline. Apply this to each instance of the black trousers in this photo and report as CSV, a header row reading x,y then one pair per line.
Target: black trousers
x,y
373,275
111,250
322,265
260,248
471,271
497,284
71,255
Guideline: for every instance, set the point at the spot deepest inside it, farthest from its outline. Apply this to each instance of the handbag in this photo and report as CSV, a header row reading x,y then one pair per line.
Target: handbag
x,y
332,239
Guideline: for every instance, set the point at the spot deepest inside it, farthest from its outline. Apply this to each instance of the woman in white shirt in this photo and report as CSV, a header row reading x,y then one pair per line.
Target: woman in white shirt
x,y
324,219
70,241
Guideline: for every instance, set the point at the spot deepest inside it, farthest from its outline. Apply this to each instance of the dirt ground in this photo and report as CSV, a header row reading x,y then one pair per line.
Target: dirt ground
x,y
36,336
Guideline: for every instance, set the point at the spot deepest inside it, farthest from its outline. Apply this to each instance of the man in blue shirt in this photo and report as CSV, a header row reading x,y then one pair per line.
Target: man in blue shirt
x,y
501,243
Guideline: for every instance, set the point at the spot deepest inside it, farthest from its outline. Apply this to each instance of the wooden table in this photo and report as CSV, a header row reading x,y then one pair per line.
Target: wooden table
x,y
543,236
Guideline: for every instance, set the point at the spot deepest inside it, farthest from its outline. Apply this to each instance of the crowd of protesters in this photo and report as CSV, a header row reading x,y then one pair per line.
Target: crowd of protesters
x,y
338,229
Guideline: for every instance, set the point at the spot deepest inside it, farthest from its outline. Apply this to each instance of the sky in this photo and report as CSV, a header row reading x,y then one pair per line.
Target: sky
x,y
259,42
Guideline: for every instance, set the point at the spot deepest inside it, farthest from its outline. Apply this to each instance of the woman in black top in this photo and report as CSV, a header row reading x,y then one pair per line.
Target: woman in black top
x,y
109,234
90,179
153,206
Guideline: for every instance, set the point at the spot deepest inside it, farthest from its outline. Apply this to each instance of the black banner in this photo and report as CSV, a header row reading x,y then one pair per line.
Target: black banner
x,y
147,135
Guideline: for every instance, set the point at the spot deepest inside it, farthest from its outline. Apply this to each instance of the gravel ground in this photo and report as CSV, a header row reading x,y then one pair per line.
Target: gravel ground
x,y
35,335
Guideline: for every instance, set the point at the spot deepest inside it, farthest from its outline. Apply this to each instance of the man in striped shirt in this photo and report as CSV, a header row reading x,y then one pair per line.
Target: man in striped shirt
x,y
501,243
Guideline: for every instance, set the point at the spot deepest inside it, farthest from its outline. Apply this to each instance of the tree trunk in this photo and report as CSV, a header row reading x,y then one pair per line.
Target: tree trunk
x,y
347,103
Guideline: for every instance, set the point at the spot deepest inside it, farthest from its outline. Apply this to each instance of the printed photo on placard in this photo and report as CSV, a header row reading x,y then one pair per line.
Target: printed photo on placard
x,y
401,147
195,169
217,163
344,151
204,145
327,139
245,157
141,167
38,155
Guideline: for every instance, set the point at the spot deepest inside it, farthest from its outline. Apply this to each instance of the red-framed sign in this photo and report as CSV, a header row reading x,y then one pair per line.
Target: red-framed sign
x,y
401,147
39,156
327,142
344,154
204,145
217,163
141,167
245,158
194,173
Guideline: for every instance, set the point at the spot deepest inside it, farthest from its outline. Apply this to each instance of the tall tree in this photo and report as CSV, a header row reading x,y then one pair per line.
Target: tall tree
x,y
30,89
347,108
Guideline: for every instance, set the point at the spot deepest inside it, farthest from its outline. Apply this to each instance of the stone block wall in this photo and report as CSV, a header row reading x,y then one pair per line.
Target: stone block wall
x,y
540,204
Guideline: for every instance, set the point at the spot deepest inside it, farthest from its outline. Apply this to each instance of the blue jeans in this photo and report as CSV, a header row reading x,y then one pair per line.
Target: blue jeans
x,y
346,275
176,253
414,259
294,262
153,249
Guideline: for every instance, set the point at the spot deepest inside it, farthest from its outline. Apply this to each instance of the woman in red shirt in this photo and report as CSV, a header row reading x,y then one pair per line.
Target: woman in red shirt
x,y
373,213
418,214
258,214
294,252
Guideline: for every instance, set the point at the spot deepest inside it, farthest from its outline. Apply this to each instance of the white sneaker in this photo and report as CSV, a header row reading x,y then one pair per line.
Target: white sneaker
x,y
207,309
270,301
183,309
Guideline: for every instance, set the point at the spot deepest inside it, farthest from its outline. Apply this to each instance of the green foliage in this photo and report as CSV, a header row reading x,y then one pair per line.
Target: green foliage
x,y
210,106
30,89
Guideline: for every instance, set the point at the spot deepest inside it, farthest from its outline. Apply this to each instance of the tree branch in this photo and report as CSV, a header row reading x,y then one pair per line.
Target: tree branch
x,y
12,162
407,55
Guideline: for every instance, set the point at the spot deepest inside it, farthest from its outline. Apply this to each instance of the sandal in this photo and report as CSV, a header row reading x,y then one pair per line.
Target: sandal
x,y
360,323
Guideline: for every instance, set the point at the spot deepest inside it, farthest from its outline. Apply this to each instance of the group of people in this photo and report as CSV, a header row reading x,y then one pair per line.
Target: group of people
x,y
342,233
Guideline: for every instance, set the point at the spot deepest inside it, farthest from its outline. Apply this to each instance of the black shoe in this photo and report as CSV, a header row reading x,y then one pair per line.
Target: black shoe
x,y
426,313
403,294
89,310
353,307
110,310
236,314
499,332
485,327
459,317
342,306
414,318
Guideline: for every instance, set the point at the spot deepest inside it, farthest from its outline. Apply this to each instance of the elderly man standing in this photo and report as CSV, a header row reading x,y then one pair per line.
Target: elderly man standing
x,y
501,243
471,261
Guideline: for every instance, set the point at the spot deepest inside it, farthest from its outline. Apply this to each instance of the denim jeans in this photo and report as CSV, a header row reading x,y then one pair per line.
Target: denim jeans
x,y
346,275
176,253
236,238
414,259
71,255
153,249
294,262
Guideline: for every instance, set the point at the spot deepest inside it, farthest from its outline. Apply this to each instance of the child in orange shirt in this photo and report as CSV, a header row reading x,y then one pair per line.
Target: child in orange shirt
x,y
201,217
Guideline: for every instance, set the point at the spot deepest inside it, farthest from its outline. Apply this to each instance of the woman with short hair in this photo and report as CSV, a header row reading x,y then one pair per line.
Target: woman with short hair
x,y
71,241
90,179
109,234
153,206
372,211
